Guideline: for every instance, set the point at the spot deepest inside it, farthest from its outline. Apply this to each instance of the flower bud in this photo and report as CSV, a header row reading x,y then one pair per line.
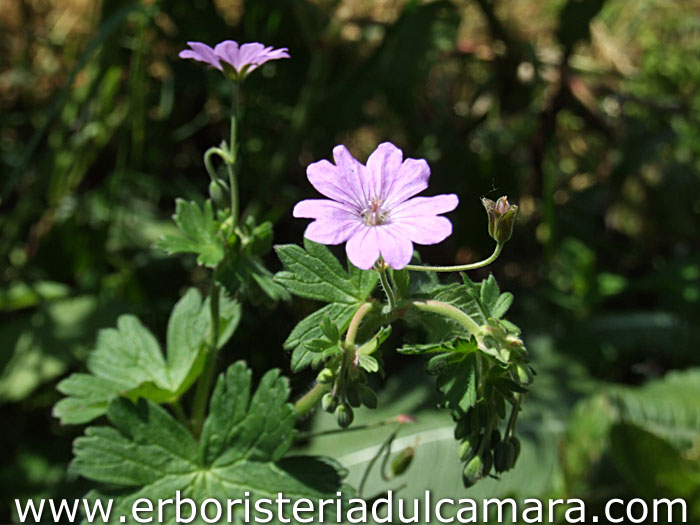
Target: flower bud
x,y
329,402
469,446
472,471
524,374
344,416
216,192
501,218
487,459
495,438
325,376
516,447
504,456
402,460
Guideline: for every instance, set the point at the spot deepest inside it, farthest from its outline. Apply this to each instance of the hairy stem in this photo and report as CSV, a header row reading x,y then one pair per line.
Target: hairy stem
x,y
208,164
308,401
449,311
462,268
231,165
388,290
361,312
204,384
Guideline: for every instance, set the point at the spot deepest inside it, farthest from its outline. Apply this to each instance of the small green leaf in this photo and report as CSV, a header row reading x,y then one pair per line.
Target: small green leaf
x,y
489,293
242,449
502,305
199,233
128,361
309,328
330,329
455,366
368,363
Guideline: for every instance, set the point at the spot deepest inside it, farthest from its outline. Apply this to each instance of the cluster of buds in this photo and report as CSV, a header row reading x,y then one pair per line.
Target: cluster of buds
x,y
501,218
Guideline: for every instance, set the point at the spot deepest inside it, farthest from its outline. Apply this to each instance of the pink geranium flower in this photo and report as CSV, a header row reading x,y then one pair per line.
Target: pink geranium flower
x,y
229,57
373,207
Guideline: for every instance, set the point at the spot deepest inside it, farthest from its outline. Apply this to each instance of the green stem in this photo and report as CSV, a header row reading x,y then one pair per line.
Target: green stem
x,y
308,401
449,311
361,312
513,417
366,426
462,268
208,164
231,166
180,413
204,384
388,290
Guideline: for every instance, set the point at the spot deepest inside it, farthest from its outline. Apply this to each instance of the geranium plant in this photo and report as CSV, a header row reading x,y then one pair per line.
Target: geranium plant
x,y
175,422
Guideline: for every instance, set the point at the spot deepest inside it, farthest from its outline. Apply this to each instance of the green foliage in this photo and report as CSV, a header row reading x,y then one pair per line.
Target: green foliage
x,y
314,273
455,366
199,233
128,361
242,449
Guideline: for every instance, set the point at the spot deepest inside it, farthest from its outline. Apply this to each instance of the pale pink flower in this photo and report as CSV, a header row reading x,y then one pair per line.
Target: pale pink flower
x,y
229,57
373,207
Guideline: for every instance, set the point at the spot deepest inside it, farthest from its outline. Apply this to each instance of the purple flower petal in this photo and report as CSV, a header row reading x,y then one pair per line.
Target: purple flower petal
x,y
425,206
243,59
317,208
424,230
411,179
331,231
383,167
228,52
353,174
396,249
202,53
363,248
331,181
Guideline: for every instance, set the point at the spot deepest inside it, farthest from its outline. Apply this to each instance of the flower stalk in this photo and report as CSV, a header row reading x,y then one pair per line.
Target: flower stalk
x,y
449,311
460,268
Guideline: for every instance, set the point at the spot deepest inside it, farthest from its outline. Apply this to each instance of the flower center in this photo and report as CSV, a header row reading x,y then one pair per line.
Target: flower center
x,y
373,214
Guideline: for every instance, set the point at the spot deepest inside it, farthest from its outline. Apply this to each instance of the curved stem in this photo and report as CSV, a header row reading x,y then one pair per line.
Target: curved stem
x,y
361,312
462,268
308,401
513,417
388,290
208,164
449,311
204,384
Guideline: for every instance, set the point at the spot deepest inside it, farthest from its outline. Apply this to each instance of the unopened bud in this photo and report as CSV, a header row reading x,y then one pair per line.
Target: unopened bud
x,y
501,218
469,446
344,416
325,376
472,471
504,456
329,402
516,447
402,460
216,192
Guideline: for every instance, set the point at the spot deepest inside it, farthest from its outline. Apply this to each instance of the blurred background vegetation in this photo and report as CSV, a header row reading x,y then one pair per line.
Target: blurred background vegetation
x,y
584,112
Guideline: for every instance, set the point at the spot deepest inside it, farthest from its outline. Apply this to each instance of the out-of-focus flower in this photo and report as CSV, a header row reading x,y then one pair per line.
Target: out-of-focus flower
x,y
501,218
370,207
234,60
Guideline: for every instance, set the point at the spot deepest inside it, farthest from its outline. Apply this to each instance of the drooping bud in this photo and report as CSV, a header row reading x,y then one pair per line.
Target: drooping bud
x,y
504,456
472,471
325,376
469,446
501,218
329,402
402,460
216,192
344,416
